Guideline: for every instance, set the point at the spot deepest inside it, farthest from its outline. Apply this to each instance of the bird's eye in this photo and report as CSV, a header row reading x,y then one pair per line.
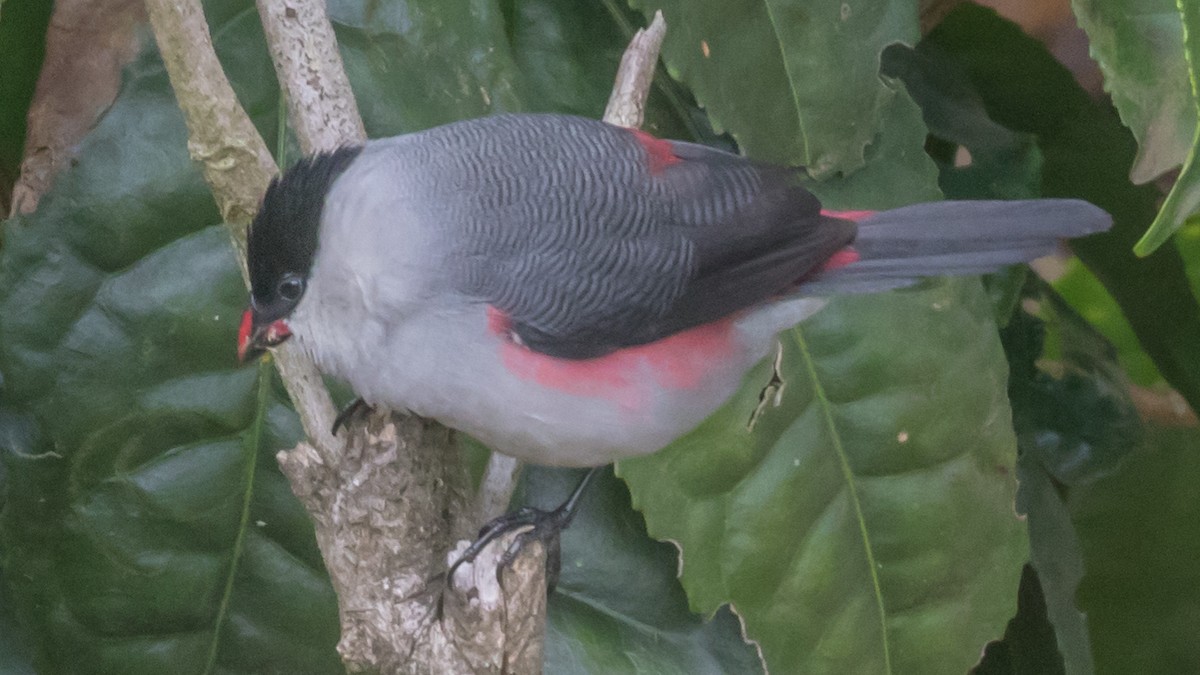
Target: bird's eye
x,y
290,288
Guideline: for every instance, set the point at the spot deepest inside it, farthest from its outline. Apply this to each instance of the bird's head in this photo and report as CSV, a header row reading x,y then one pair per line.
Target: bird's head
x,y
282,246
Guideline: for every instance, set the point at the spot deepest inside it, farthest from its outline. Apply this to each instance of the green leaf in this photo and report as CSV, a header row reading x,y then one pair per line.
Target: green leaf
x,y
1184,198
569,51
897,173
146,528
1140,544
419,63
1086,154
22,44
794,82
1150,52
619,607
865,523
1139,46
16,657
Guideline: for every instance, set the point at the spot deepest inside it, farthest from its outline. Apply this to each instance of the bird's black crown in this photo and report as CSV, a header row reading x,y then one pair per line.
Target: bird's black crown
x,y
283,237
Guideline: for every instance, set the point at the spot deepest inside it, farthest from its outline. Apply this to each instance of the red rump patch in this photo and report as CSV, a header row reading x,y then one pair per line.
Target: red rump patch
x,y
660,153
848,215
627,376
840,259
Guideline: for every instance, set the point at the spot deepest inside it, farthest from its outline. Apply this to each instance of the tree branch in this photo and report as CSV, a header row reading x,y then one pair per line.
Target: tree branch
x,y
627,104
321,105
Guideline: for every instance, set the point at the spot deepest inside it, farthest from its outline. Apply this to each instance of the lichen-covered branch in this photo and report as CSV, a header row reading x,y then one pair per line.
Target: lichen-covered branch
x,y
321,106
221,137
380,517
627,103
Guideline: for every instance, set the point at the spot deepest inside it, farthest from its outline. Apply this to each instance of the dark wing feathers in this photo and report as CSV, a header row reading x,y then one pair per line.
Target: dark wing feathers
x,y
596,252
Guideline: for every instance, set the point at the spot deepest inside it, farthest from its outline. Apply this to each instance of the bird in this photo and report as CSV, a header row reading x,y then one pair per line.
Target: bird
x,y
572,293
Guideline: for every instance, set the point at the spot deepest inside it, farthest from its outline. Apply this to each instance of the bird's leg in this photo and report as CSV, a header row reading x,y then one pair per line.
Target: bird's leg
x,y
355,408
545,526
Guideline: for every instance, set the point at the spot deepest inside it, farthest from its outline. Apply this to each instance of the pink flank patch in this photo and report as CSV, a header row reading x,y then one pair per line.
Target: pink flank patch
x,y
498,322
840,259
626,376
848,215
660,152
244,335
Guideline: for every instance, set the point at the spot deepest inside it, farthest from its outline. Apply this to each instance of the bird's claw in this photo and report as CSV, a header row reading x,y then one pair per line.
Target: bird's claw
x,y
544,526
356,407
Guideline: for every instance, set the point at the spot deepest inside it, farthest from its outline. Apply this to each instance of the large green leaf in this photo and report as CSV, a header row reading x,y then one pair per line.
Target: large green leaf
x,y
1184,199
568,53
795,82
865,523
1073,428
145,528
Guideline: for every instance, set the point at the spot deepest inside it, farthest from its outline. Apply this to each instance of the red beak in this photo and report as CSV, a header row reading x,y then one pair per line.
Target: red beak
x,y
254,338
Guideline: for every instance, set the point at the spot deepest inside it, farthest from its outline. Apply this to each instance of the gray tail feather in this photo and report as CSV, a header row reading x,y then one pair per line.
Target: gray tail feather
x,y
898,247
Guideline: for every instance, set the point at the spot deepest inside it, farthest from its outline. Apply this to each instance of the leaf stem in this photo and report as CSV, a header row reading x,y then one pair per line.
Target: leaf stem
x,y
852,489
251,444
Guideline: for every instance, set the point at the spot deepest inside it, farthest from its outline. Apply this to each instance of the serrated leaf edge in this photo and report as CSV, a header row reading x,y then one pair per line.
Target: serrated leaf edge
x,y
1172,214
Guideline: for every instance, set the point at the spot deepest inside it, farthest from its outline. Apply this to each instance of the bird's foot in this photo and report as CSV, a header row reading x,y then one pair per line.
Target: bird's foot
x,y
537,525
356,407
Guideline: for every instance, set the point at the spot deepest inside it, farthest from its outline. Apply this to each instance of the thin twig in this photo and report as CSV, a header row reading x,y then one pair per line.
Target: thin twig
x,y
321,105
627,104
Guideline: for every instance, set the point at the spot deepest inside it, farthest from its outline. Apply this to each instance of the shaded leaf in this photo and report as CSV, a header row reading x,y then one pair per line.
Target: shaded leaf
x,y
420,63
16,656
1028,646
1140,544
811,70
1001,164
22,45
568,52
1072,429
619,607
866,524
